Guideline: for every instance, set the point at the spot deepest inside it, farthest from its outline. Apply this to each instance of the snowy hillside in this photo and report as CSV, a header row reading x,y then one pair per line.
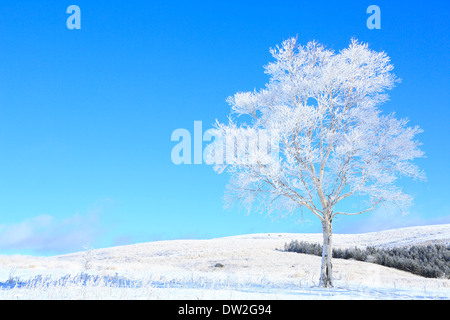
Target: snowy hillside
x,y
240,267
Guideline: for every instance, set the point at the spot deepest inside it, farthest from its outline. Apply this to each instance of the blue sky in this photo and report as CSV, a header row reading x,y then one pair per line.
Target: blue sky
x,y
86,115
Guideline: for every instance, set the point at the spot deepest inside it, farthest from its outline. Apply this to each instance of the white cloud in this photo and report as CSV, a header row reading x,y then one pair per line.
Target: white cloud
x,y
385,218
47,234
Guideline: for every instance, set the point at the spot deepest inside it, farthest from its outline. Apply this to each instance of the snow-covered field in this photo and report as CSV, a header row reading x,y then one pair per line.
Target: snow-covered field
x,y
240,267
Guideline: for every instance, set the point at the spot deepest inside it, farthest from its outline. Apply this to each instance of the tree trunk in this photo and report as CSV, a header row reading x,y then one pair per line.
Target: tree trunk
x,y
326,277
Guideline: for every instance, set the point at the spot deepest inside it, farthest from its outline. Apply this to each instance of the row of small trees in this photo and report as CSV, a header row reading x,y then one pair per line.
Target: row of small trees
x,y
431,261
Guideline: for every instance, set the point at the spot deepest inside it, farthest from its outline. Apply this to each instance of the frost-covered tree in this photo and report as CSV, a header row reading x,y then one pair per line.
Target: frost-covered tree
x,y
332,141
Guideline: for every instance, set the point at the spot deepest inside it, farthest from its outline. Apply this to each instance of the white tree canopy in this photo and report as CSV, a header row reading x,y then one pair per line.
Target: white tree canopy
x,y
332,140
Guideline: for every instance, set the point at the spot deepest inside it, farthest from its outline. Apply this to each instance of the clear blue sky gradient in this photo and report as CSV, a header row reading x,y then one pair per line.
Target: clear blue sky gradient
x,y
86,115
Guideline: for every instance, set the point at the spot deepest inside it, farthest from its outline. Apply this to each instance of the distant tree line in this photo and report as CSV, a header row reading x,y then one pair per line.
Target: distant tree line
x,y
431,261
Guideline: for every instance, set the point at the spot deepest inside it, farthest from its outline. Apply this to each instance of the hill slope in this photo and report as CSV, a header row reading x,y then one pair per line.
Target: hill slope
x,y
248,266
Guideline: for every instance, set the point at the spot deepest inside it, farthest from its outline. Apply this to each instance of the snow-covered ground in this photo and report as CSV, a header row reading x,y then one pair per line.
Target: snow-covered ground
x,y
240,267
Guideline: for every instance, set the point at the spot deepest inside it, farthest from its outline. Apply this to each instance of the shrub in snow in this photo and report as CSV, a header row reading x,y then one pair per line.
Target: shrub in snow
x,y
432,261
